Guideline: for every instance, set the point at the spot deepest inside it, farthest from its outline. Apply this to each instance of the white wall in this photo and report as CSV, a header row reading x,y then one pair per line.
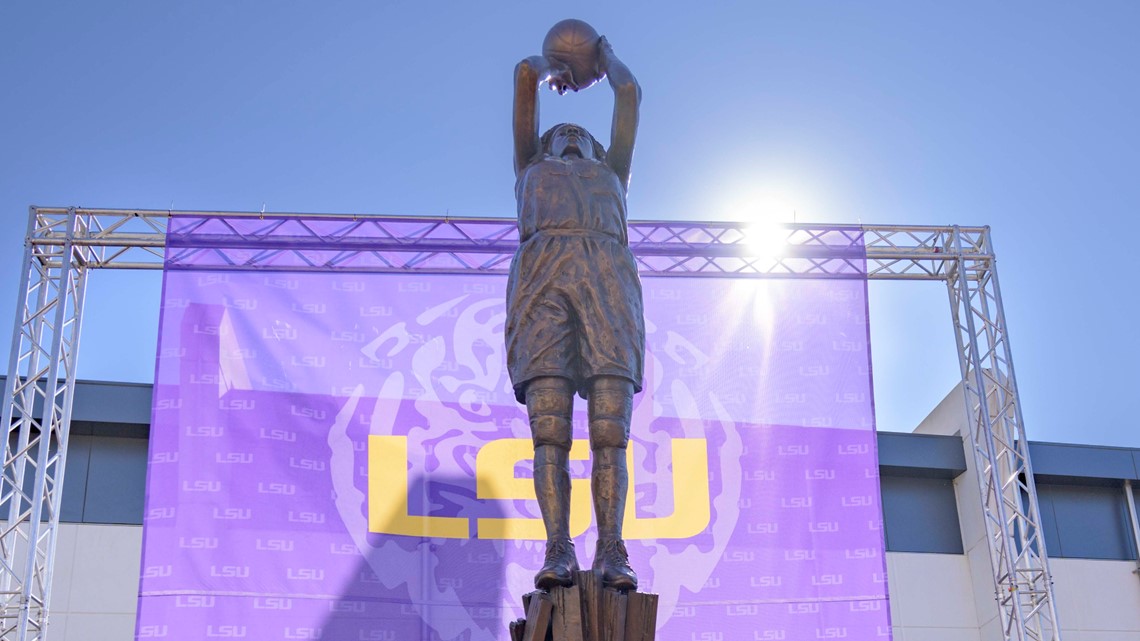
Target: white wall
x,y
96,583
1097,600
931,597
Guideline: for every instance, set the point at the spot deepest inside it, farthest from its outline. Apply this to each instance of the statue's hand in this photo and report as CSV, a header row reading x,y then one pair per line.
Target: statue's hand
x,y
560,77
605,54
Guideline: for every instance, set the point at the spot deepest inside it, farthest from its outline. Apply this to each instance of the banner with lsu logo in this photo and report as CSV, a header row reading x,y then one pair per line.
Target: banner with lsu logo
x,y
339,455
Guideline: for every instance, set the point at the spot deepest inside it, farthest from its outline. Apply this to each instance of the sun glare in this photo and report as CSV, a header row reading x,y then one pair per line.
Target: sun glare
x,y
767,208
766,239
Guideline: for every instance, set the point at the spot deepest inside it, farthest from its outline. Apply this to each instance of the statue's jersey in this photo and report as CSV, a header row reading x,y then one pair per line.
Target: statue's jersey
x,y
574,305
574,194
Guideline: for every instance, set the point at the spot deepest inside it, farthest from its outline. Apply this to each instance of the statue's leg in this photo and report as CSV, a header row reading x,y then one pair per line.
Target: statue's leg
x,y
610,401
549,403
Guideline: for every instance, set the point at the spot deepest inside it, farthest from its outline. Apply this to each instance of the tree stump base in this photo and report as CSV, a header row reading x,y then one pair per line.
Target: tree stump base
x,y
586,611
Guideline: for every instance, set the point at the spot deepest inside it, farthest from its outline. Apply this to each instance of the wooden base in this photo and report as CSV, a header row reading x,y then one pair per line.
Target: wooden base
x,y
586,611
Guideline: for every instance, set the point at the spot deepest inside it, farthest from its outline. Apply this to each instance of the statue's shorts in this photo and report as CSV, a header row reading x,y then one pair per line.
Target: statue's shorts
x,y
574,310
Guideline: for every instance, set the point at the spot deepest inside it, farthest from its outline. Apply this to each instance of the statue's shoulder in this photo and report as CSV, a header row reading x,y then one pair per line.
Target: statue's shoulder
x,y
544,166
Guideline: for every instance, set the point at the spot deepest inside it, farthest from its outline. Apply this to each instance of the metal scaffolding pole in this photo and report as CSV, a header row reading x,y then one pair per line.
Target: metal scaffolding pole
x,y
41,377
1022,583
64,244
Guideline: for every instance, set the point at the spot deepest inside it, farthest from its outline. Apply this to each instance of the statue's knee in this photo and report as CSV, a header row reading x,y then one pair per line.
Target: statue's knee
x,y
549,403
611,406
551,430
608,432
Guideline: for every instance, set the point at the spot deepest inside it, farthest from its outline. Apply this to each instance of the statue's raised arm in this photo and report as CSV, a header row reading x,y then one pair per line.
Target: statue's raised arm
x,y
530,73
627,104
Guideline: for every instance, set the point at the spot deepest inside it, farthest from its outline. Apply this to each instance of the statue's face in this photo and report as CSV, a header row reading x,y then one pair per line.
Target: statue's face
x,y
572,140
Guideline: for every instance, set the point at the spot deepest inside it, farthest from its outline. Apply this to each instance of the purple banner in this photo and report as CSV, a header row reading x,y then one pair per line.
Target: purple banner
x,y
340,456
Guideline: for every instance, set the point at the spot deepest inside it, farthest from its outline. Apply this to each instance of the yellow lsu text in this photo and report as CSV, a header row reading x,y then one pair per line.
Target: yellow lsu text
x,y
495,480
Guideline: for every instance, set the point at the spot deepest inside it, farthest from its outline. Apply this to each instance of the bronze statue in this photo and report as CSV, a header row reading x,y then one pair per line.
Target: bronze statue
x,y
574,306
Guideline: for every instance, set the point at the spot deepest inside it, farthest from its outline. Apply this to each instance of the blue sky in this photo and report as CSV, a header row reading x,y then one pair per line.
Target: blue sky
x,y
1020,116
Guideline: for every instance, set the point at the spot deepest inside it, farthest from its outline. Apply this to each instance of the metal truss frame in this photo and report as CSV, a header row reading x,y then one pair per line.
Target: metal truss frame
x,y
64,244
1001,452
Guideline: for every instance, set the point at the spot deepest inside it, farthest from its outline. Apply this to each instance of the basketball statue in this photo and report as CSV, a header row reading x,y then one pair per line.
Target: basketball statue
x,y
574,306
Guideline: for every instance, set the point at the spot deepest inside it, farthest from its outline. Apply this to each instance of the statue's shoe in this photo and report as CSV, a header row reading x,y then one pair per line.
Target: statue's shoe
x,y
612,561
559,567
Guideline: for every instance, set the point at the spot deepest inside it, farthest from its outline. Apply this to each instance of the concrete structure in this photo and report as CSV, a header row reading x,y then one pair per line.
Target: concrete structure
x,y
939,571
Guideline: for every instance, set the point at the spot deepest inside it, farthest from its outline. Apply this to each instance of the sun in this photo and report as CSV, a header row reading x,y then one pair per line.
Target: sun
x,y
766,239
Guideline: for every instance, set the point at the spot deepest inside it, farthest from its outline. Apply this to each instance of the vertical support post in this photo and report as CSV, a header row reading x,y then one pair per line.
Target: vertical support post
x,y
1022,583
21,392
39,394
1131,498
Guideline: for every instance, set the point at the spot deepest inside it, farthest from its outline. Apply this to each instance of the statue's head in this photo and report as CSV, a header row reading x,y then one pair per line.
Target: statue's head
x,y
568,139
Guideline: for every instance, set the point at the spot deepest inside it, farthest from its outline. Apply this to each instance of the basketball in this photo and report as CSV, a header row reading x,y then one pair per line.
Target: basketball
x,y
574,43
